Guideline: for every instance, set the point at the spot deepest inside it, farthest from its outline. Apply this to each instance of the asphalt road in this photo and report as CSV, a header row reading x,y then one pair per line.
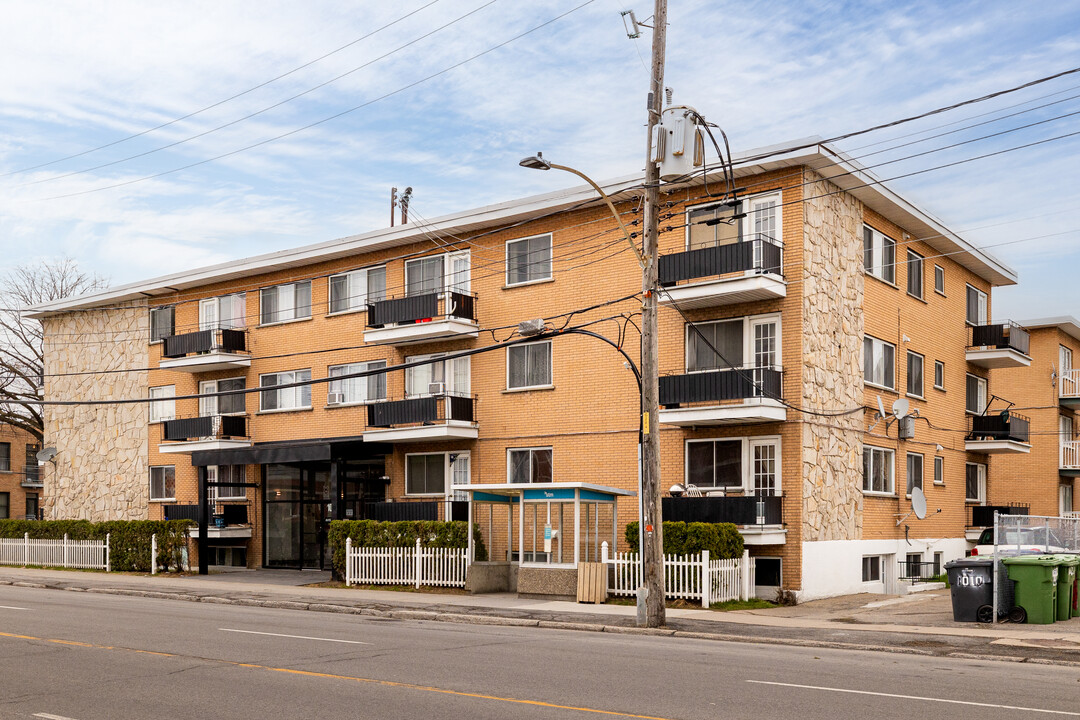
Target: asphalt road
x,y
88,657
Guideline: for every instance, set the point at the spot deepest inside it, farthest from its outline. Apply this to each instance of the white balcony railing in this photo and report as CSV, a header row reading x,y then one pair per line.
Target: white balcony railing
x,y
1069,383
1070,455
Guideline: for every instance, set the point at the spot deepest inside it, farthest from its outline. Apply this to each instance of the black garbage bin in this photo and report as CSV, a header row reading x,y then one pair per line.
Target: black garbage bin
x,y
972,582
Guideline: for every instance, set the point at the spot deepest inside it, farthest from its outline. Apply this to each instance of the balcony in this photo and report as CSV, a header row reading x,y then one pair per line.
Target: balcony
x,y
206,351
31,478
421,318
210,432
760,518
1069,387
424,418
745,271
1070,458
1004,432
722,397
227,521
1004,345
982,517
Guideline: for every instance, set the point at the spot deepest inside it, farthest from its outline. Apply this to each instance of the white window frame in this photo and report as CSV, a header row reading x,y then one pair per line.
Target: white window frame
x,y
1065,359
356,299
877,560
981,477
531,451
877,255
213,474
208,406
150,489
750,206
915,260
922,375
172,324
909,480
211,311
888,455
451,280
984,393
550,260
749,359
349,369
981,306
448,472
746,463
939,280
939,470
163,406
450,369
551,367
877,345
299,390
282,291
939,365
1066,498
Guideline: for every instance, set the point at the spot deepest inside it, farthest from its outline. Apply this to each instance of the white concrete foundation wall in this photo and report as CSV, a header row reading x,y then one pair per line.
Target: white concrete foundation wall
x,y
834,567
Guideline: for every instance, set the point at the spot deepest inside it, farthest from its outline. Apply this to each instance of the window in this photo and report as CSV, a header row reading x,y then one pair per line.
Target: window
x,y
715,464
162,483
939,375
225,404
436,378
975,483
735,341
939,471
1065,499
164,407
1064,359
915,274
914,472
878,470
757,218
5,457
285,302
976,306
5,505
529,465
939,279
871,568
355,290
528,365
528,260
879,362
939,560
764,456
162,323
224,474
32,506
879,255
914,374
31,466
286,398
976,395
437,273
425,474
358,389
229,311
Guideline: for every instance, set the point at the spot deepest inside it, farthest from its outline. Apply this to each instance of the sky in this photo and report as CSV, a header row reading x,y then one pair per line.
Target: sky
x,y
144,138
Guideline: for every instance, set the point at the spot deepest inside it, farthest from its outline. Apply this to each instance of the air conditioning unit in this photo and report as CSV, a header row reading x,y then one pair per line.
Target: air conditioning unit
x,y
335,398
436,388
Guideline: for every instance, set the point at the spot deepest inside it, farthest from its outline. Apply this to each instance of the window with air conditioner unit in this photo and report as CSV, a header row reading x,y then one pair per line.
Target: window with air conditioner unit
x,y
349,390
440,377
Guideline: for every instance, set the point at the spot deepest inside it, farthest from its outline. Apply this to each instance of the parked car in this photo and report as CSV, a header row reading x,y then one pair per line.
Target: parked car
x,y
1031,541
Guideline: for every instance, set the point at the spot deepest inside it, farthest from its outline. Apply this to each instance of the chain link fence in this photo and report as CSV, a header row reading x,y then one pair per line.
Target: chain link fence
x,y
1030,535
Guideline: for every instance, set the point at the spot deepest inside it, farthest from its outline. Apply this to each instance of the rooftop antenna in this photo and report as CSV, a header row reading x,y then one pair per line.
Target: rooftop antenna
x,y
393,204
405,197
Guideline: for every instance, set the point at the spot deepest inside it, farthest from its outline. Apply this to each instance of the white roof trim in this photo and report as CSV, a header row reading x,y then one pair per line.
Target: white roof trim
x,y
1065,323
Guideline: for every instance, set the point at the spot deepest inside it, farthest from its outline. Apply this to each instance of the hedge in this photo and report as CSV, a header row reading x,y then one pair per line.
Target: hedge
x,y
129,540
722,540
370,533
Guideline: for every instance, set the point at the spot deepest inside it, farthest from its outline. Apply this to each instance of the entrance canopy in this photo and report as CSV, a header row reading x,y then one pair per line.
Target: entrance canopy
x,y
545,533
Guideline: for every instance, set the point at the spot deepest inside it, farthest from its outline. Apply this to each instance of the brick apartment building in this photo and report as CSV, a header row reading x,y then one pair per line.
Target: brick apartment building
x,y
820,292
20,479
1048,391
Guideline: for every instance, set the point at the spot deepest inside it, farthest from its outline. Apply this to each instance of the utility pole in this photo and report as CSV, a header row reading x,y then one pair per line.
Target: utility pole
x,y
652,528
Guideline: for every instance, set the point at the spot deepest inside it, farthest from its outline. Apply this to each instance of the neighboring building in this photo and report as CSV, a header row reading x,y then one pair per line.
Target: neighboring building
x,y
20,480
803,287
1048,391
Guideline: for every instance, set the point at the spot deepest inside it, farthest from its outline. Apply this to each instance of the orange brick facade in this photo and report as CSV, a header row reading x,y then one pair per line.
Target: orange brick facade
x,y
20,482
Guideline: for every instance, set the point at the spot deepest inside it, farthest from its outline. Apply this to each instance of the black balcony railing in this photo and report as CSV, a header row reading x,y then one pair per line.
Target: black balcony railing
x,y
918,571
231,513
421,308
742,510
399,511
427,410
225,340
1003,336
31,477
209,426
761,255
719,385
983,515
1005,425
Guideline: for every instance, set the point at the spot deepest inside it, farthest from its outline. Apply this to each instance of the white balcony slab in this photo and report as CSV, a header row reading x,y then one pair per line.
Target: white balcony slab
x,y
997,447
452,430
763,534
207,362
190,446
229,531
411,333
752,410
725,291
992,358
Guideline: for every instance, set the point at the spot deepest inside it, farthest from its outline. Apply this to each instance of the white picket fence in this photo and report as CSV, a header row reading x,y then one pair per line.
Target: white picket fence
x,y
731,579
78,554
442,567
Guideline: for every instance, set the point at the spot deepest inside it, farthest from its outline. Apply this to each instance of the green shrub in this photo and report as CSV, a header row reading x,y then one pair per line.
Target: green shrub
x,y
129,540
722,540
431,533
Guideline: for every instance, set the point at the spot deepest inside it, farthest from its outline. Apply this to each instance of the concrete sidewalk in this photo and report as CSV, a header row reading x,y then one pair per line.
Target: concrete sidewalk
x,y
920,624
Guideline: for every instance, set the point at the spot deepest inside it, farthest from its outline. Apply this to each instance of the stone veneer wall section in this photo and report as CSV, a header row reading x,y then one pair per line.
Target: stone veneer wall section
x,y
832,362
100,471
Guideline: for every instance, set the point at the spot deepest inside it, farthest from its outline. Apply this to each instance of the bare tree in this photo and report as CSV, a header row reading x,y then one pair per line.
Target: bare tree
x,y
21,361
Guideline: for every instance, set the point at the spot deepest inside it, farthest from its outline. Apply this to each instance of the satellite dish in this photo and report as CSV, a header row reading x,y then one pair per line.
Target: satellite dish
x,y
900,408
46,454
918,503
881,408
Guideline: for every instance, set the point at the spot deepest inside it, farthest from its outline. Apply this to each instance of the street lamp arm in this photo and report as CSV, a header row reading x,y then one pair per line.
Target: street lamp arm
x,y
611,206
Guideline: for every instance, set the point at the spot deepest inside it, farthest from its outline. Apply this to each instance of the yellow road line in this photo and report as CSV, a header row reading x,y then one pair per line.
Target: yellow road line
x,y
352,678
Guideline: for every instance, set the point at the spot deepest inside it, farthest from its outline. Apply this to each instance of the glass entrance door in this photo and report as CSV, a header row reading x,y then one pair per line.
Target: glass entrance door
x,y
297,511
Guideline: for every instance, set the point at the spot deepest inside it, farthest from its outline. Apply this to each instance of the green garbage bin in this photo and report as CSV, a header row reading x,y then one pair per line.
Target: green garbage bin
x,y
1072,563
1036,585
1066,579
